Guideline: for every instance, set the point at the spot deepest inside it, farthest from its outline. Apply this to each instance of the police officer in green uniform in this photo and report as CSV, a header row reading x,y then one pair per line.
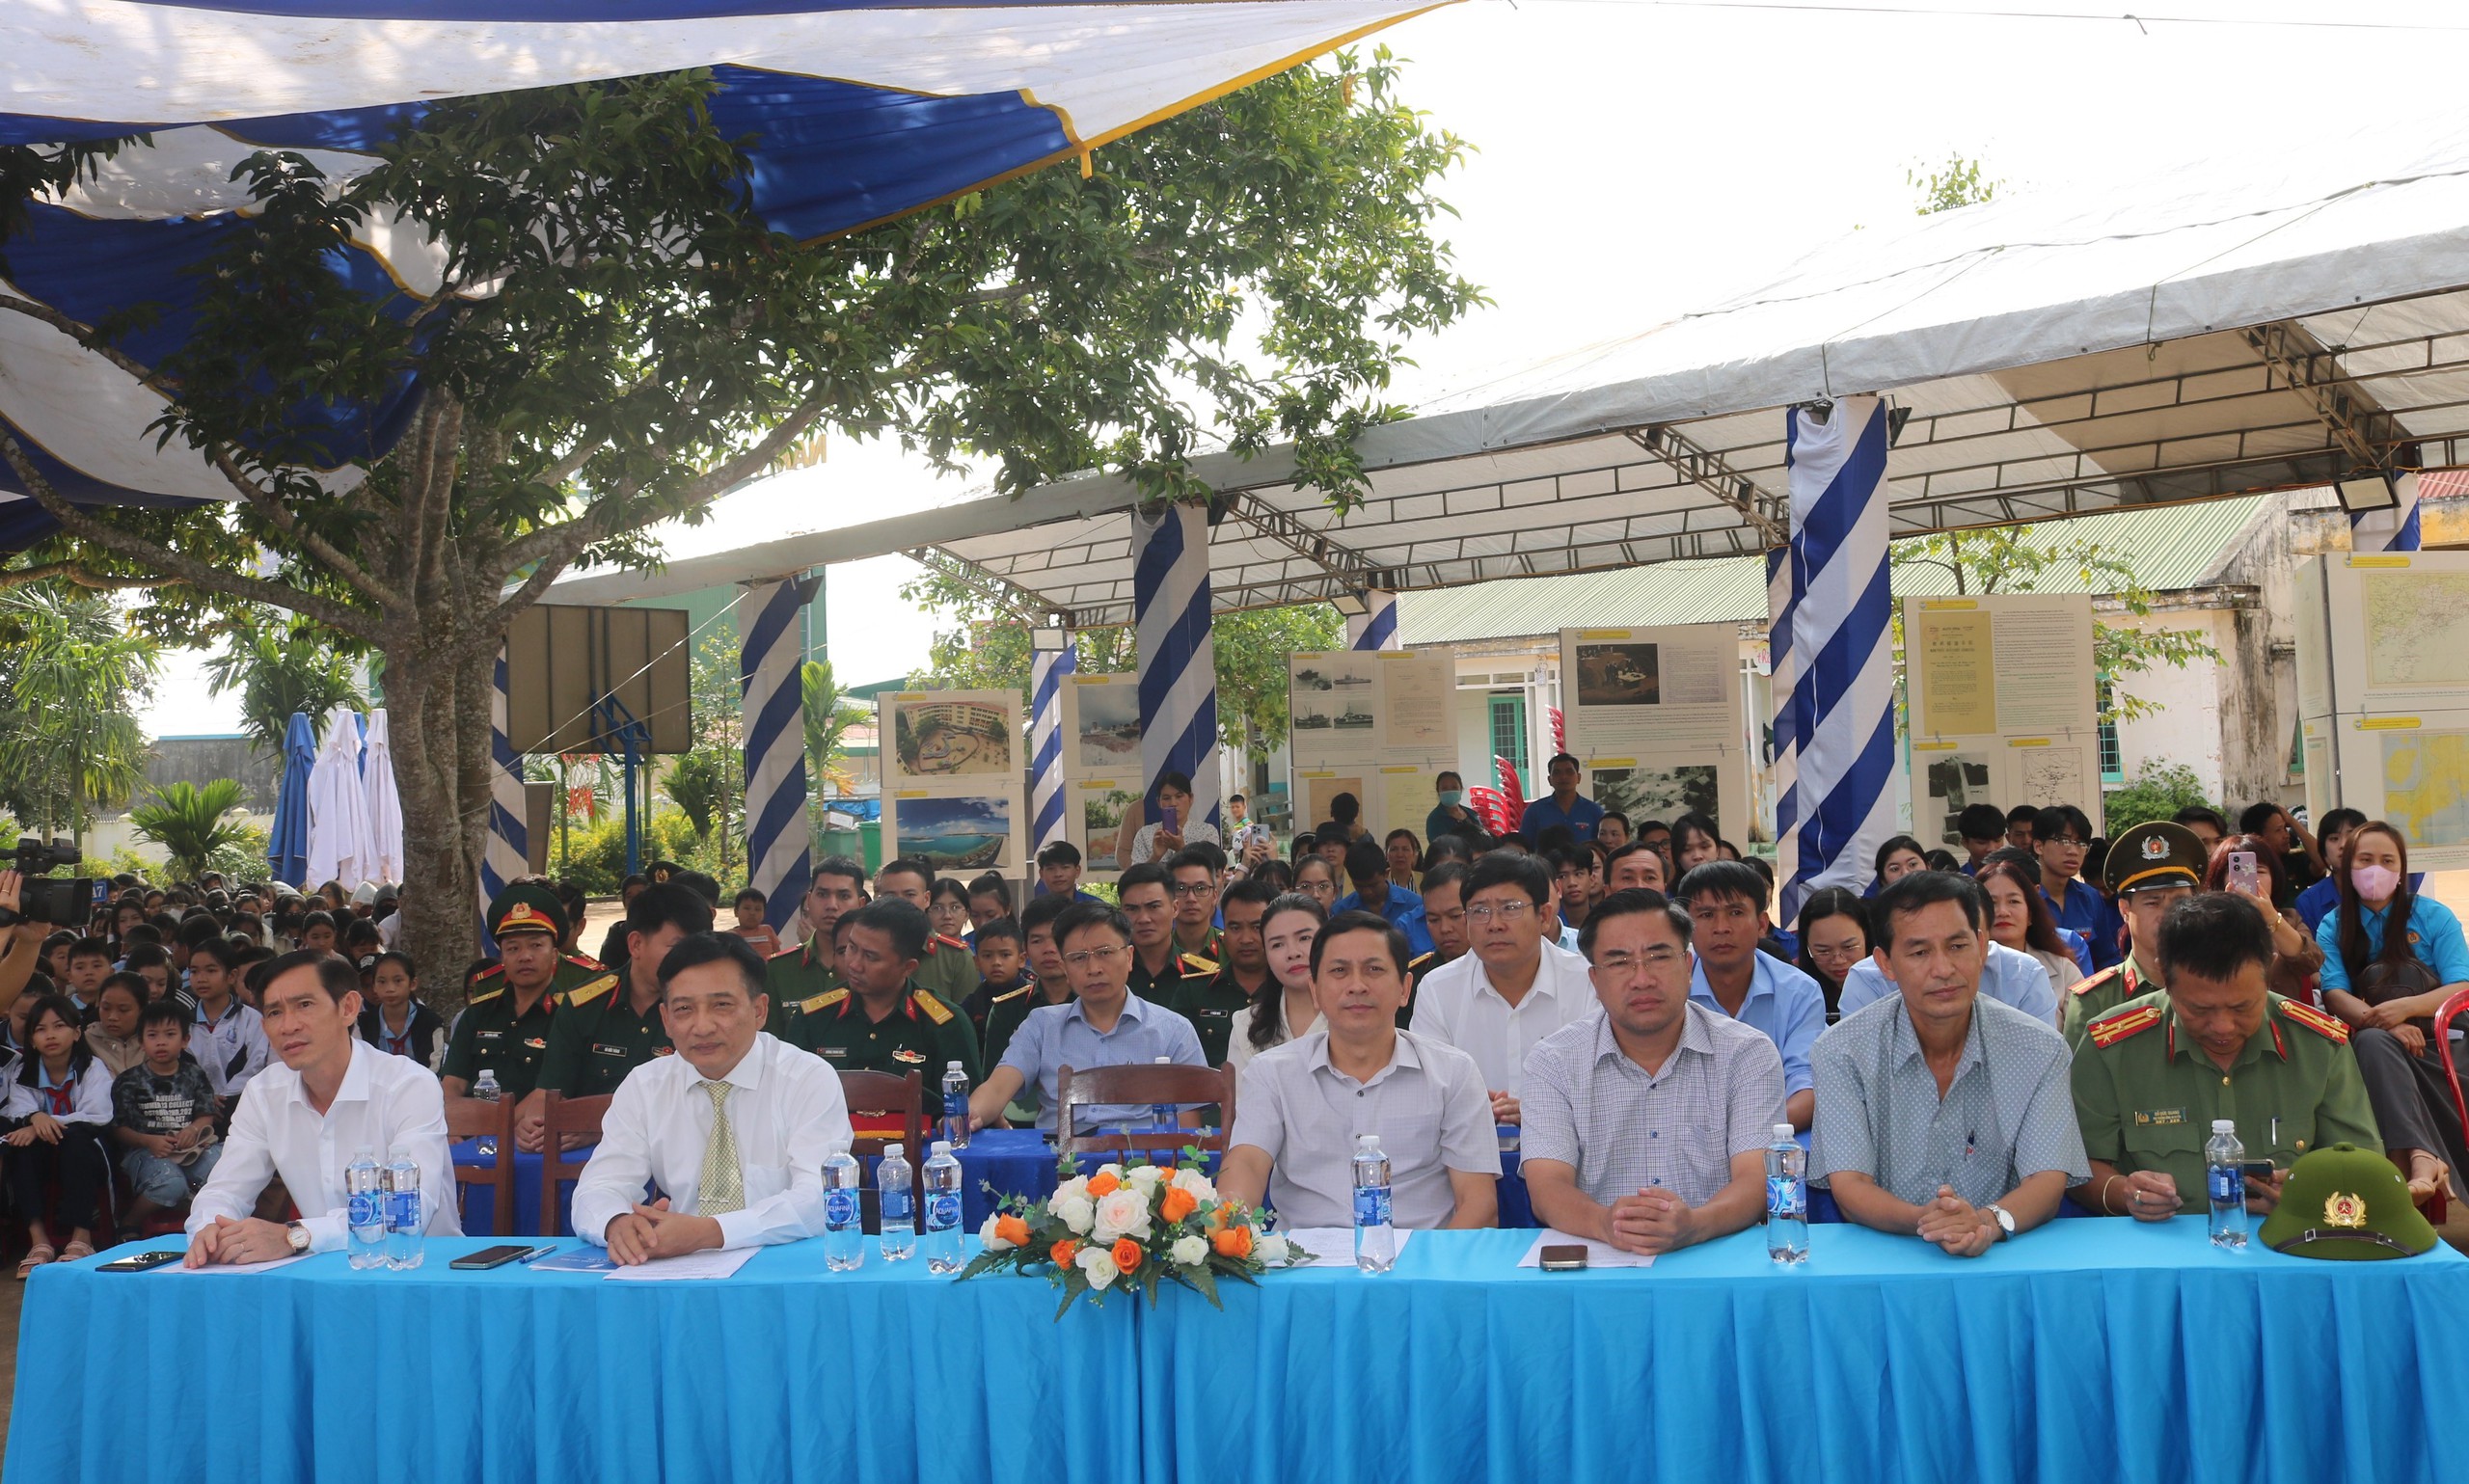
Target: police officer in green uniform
x,y
946,969
803,975
504,1026
883,1021
2216,1043
2150,869
1210,1004
610,1027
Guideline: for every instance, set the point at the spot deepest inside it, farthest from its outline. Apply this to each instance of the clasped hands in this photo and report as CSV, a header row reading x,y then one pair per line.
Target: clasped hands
x,y
1649,1223
1959,1228
654,1230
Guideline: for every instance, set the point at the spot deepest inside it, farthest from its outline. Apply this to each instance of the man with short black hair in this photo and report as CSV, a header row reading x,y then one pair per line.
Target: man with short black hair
x,y
504,1024
302,1122
1563,806
2209,824
2020,824
946,969
797,979
1513,988
1049,983
1210,1004
1104,1024
1636,867
1194,876
1726,905
1379,893
2061,836
883,1021
607,1030
1445,915
1614,832
1573,883
1159,967
1983,828
1059,869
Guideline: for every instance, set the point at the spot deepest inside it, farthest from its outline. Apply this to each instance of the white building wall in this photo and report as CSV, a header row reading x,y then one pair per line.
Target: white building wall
x,y
2187,727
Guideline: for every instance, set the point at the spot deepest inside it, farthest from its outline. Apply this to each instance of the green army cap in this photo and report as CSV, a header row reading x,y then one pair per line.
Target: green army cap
x,y
2157,853
658,872
2346,1202
526,907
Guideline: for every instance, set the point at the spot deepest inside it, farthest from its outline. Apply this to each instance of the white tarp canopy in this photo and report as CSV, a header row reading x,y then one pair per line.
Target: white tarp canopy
x,y
2048,357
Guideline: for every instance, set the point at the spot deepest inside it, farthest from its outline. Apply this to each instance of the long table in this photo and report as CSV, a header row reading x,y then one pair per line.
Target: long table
x,y
2097,1351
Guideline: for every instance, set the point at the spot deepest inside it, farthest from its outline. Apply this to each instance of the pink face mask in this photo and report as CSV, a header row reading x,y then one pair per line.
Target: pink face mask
x,y
2375,883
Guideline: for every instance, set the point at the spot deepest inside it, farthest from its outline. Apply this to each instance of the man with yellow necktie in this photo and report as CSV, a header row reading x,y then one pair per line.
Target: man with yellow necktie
x,y
732,1130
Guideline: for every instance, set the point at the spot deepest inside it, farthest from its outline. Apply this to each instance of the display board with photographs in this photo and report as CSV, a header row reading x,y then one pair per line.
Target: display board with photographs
x,y
1101,725
2002,701
1655,715
953,780
1377,724
2383,693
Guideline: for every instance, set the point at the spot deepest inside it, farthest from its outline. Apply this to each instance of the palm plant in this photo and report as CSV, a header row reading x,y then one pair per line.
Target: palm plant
x,y
192,824
280,667
829,715
70,739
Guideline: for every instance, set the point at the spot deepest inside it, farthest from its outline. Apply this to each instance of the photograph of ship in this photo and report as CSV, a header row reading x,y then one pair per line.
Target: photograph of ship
x,y
1333,674
950,739
1109,724
1311,720
970,833
1617,675
1353,718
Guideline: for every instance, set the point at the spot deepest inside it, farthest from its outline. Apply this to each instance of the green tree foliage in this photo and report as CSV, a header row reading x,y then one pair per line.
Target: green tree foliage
x,y
280,665
1958,182
72,679
2157,790
829,714
194,826
619,339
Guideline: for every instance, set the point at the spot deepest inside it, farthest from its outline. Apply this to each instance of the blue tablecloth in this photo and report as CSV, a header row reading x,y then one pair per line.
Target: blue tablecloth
x,y
317,1372
480,1201
2087,1350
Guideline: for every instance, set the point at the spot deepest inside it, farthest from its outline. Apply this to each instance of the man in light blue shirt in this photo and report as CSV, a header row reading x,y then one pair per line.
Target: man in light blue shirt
x,y
1104,1024
2010,978
1727,902
1368,867
1563,805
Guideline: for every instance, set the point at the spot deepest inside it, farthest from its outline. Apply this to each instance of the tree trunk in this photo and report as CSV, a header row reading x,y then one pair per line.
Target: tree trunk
x,y
438,720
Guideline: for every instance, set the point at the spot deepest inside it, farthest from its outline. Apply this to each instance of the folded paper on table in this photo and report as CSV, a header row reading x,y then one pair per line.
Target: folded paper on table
x,y
1598,1255
267,1266
711,1262
1330,1246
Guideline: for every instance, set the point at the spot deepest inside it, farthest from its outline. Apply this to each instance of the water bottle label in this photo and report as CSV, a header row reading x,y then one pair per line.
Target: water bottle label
x,y
2228,1183
403,1210
1787,1198
364,1209
840,1206
942,1210
1371,1205
897,1206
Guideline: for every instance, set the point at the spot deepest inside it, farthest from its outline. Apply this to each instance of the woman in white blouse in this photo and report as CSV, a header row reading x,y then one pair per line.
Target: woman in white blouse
x,y
1282,1010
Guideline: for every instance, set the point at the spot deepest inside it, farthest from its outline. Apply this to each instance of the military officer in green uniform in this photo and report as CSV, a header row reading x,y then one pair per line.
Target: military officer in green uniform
x,y
1210,1004
2153,1074
504,1027
2151,869
883,1021
1159,967
614,1025
803,975
946,969
1194,878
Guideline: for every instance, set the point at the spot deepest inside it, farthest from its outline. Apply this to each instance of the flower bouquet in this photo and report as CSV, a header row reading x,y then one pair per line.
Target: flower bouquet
x,y
1139,1227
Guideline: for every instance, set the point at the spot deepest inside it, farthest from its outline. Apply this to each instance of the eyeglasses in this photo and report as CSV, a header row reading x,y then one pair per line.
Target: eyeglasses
x,y
1193,888
1652,957
1088,956
1505,911
2067,840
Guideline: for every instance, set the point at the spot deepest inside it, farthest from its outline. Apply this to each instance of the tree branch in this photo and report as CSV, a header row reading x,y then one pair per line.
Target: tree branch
x,y
73,572
269,504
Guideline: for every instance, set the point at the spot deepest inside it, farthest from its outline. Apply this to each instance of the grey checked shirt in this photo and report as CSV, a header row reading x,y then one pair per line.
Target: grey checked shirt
x,y
1590,1107
2008,1113
1428,1106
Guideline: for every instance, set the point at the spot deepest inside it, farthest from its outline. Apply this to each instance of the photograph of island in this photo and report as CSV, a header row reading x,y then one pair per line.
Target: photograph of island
x,y
972,832
1109,725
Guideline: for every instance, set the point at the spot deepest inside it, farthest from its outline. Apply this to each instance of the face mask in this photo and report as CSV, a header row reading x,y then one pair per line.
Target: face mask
x,y
2375,883
1451,798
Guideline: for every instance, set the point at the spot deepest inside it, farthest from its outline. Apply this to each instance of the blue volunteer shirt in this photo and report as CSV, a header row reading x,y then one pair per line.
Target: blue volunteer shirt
x,y
2087,912
1405,910
2323,899
2434,937
1058,1036
1581,817
1783,1003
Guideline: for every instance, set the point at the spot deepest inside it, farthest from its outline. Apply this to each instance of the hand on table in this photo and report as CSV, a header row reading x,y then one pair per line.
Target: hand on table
x,y
237,1241
1652,1222
1503,1108
2148,1195
652,1231
1955,1225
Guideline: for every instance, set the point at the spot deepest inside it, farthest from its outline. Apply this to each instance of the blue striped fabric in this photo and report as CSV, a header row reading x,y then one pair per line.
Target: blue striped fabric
x,y
1377,626
1178,661
1784,694
509,852
2389,531
1048,671
1843,698
779,848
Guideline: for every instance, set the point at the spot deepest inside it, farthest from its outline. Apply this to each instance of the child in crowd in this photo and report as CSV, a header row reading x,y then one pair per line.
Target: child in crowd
x,y
317,932
750,925
59,1103
113,1036
395,1022
230,1040
1002,971
362,946
151,963
163,1115
89,963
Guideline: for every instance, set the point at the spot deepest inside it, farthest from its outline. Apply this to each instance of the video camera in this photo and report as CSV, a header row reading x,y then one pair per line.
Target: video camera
x,y
62,902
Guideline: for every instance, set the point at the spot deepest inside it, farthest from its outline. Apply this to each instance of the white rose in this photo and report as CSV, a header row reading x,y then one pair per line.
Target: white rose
x,y
1270,1248
1195,1183
1100,1264
993,1243
1145,1175
1076,1212
1189,1252
1077,1185
1121,1213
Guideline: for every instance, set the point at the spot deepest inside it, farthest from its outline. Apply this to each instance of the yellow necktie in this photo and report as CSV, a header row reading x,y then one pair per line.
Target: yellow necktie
x,y
724,1185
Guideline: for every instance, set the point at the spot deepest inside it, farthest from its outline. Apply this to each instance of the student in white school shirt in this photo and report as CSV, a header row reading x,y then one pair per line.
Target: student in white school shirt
x,y
1511,988
333,1096
732,1130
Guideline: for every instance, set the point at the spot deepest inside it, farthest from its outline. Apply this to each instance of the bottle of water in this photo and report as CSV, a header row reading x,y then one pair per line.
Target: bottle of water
x,y
364,1206
1163,1115
487,1091
1787,1198
844,1220
942,1210
955,1105
405,1221
896,1182
1376,1243
2224,1161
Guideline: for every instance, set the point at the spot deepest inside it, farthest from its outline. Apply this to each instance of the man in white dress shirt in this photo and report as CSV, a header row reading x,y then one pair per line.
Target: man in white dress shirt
x,y
733,1129
333,1096
1512,989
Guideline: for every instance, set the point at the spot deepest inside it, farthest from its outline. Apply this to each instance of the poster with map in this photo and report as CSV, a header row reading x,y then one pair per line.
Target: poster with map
x,y
2425,786
2416,628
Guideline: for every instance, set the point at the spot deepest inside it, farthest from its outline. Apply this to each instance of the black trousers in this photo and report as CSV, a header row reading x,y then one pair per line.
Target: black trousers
x,y
2412,1106
78,1163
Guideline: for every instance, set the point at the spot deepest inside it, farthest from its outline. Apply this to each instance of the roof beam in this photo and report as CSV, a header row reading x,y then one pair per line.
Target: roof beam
x,y
1708,470
2356,422
1009,595
1333,558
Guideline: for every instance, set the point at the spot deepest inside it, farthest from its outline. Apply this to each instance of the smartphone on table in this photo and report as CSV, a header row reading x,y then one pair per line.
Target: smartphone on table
x,y
488,1258
139,1263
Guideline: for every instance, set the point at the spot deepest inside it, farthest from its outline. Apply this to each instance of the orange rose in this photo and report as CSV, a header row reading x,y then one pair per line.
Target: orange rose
x,y
1011,1230
1219,1215
1065,1252
1103,1185
1127,1254
1233,1242
1178,1204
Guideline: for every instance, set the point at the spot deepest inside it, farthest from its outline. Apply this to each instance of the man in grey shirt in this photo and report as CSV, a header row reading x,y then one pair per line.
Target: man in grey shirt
x,y
1941,1112
1301,1106
1647,1126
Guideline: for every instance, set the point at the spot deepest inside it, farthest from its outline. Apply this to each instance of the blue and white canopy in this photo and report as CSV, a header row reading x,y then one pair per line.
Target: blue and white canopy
x,y
859,110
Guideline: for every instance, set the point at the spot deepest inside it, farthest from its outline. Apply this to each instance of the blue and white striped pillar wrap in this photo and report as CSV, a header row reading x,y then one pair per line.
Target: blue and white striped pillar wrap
x,y
1377,626
779,848
1843,682
2390,530
507,854
1049,670
1178,661
1781,672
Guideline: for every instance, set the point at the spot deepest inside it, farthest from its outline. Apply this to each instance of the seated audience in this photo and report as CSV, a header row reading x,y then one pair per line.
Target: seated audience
x,y
2298,958
1834,936
1513,988
59,1106
1726,905
1377,890
1104,1024
1283,1007
883,1022
2020,921
163,1115
750,906
2156,866
2061,838
395,1021
1216,1005
113,1036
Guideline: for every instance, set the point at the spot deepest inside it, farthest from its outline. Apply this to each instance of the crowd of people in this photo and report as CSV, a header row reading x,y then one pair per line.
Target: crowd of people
x,y
1969,1046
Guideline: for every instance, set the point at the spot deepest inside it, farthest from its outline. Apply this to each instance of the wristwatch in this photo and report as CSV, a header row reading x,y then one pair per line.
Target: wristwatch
x,y
298,1236
2005,1219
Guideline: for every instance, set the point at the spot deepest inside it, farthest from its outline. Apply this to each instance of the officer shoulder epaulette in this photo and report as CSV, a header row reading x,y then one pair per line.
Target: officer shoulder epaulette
x,y
2092,981
790,952
1417,963
484,996
2109,1030
585,995
822,1001
585,961
1015,994
1196,961
946,940
936,1009
2330,1028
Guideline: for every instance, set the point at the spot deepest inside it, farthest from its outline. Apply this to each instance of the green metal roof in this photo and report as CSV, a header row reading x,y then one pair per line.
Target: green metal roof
x,y
2170,548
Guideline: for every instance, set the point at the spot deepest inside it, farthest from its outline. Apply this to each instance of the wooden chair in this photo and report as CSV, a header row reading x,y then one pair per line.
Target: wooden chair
x,y
876,1096
562,1116
1189,1086
468,1117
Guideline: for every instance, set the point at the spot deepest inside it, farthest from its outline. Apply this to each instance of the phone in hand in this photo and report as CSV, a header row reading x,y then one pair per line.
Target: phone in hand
x,y
139,1263
1174,821
2258,1169
2244,873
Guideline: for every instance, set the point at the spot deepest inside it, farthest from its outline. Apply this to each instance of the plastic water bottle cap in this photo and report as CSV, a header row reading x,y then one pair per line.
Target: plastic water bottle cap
x,y
1366,1141
941,1147
1165,1061
951,1066
2224,1125
1784,1131
891,1151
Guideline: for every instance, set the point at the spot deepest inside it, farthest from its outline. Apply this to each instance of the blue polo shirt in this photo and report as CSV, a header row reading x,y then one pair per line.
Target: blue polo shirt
x,y
2087,912
1783,1003
1405,910
1058,1036
1581,817
2434,937
2323,899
